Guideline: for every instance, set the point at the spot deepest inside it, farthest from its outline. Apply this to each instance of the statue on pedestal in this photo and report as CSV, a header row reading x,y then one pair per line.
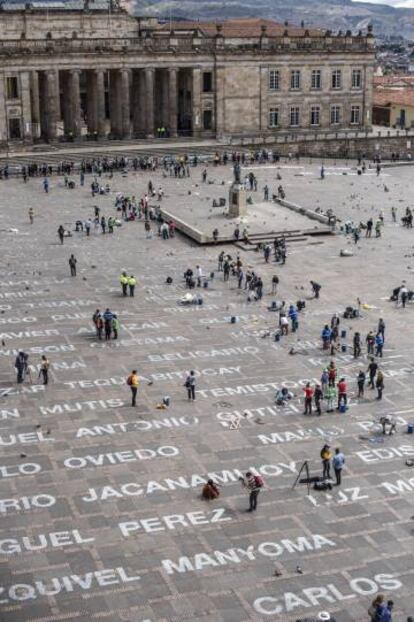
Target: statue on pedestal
x,y
237,173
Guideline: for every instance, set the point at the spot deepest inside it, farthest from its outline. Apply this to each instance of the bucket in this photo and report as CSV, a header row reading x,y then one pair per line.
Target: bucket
x,y
277,336
166,400
343,347
342,408
343,334
233,319
410,428
205,284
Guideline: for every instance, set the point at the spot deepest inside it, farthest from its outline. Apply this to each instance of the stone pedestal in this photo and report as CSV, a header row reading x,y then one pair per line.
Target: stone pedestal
x,y
237,201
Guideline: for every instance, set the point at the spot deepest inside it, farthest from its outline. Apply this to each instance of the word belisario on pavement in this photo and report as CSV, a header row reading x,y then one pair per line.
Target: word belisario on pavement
x,y
202,354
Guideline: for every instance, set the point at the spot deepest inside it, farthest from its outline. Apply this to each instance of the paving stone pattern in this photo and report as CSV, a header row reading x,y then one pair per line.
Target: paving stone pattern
x,y
100,509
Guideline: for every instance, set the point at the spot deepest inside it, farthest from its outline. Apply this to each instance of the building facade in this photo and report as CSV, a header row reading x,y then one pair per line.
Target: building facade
x,y
93,73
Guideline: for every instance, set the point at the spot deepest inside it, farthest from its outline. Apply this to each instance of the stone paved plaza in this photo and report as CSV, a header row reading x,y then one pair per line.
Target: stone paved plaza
x,y
100,509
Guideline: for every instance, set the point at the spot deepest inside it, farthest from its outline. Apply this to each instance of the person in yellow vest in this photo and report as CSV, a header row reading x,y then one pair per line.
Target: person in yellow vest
x,y
124,283
132,282
133,382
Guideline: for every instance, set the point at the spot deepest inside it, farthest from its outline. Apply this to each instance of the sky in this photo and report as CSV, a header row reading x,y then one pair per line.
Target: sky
x,y
408,4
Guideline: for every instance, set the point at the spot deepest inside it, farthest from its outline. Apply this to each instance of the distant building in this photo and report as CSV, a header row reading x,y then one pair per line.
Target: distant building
x,y
393,101
71,70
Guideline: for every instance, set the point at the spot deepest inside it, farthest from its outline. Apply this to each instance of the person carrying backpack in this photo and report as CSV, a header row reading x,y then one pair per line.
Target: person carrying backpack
x,y
253,483
133,383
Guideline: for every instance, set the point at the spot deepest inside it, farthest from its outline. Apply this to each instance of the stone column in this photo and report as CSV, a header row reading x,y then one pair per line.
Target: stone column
x,y
173,111
95,101
100,103
115,105
219,113
52,103
3,120
149,102
26,105
196,102
75,109
35,103
125,103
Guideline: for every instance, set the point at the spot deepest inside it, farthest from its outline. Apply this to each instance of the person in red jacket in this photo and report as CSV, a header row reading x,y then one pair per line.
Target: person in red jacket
x,y
308,399
342,392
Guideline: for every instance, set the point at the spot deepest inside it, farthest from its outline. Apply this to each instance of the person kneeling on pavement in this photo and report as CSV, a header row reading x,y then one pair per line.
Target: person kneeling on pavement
x,y
210,491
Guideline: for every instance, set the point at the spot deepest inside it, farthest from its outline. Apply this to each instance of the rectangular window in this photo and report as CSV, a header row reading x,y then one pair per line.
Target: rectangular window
x,y
356,78
316,79
12,88
274,117
294,116
355,115
208,119
335,115
274,80
315,115
336,81
295,79
207,82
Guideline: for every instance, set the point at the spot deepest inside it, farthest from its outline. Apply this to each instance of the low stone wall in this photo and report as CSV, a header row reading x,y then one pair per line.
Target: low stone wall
x,y
304,211
184,227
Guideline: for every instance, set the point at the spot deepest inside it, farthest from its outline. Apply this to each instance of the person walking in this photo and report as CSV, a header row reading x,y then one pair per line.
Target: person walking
x,y
31,215
361,383
357,345
44,369
108,317
72,265
21,364
379,383
190,384
370,341
372,371
332,373
123,279
403,296
379,344
46,185
115,326
330,398
253,483
308,391
131,284
275,283
324,381
338,462
103,224
342,393
376,607
133,383
381,328
318,396
61,233
326,456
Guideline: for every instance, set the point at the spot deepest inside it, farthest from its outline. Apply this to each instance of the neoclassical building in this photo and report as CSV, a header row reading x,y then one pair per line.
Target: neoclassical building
x,y
98,72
